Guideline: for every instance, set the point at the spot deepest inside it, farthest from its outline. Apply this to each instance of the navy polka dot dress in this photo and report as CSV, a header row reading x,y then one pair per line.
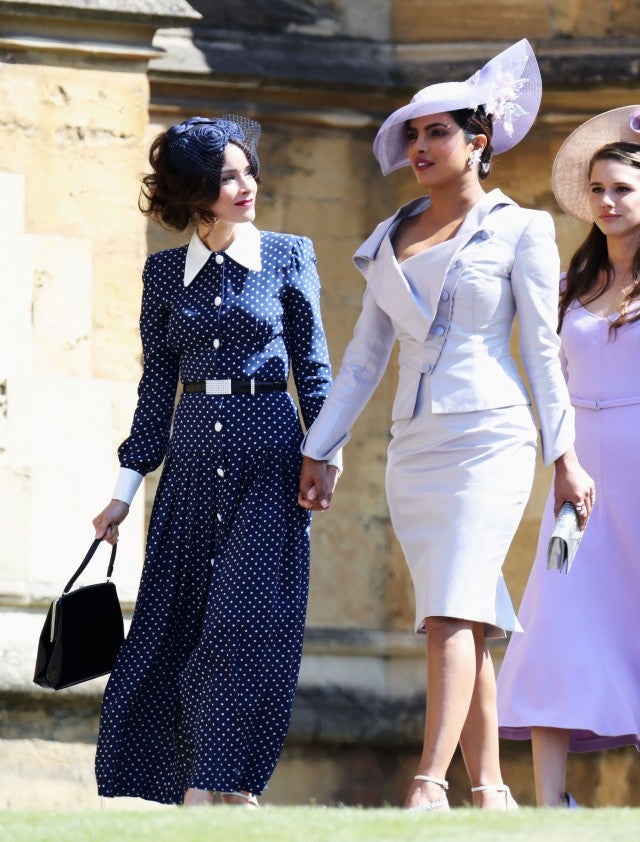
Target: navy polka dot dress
x,y
202,691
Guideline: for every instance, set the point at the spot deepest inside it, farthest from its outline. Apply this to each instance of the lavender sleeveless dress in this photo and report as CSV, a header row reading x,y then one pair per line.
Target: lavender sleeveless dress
x,y
577,663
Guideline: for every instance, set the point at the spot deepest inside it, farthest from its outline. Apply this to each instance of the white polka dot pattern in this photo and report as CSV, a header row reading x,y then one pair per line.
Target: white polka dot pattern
x,y
202,691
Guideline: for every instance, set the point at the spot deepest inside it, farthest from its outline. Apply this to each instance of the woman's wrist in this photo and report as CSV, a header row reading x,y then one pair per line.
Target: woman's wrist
x,y
567,462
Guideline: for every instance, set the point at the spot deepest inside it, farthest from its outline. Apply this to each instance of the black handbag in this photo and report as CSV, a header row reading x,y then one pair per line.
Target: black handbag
x,y
82,633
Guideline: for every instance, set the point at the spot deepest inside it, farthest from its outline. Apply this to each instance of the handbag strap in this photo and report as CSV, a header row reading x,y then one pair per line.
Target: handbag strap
x,y
85,561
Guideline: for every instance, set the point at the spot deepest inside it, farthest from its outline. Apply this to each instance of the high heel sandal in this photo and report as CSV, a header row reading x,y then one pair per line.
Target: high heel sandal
x,y
253,801
433,805
512,804
572,804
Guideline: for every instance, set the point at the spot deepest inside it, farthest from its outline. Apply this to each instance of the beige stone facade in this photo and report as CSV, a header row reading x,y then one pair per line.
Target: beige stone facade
x,y
80,98
453,20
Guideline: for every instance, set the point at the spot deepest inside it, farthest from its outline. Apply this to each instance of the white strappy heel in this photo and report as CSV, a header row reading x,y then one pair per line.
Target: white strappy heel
x,y
432,805
512,804
247,797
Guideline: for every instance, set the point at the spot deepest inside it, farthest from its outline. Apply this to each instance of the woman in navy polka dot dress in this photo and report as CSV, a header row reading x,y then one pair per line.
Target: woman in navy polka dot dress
x,y
200,699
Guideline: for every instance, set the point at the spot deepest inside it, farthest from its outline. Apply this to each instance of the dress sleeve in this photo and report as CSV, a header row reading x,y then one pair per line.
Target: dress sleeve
x,y
304,333
365,361
146,446
534,279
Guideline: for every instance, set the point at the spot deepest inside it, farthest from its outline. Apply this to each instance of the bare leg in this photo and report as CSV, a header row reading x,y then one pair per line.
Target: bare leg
x,y
550,747
479,738
198,797
451,669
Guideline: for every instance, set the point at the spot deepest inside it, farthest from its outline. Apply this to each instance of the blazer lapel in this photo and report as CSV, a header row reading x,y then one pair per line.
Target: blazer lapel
x,y
377,262
394,295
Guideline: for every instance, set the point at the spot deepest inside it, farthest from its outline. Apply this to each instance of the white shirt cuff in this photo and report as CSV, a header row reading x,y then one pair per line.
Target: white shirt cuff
x,y
336,461
127,484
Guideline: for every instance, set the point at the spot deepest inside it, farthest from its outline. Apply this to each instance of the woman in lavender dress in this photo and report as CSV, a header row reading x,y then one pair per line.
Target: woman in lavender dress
x,y
571,681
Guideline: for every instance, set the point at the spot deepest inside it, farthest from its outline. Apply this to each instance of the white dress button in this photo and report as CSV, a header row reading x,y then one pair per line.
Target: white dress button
x,y
444,296
216,343
220,472
485,235
428,368
439,330
219,259
217,426
457,264
217,301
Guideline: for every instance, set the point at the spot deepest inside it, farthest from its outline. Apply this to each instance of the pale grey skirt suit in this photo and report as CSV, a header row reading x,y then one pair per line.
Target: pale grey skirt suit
x,y
463,440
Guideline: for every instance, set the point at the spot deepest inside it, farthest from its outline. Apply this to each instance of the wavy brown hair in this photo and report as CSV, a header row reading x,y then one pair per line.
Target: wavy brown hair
x,y
591,260
176,199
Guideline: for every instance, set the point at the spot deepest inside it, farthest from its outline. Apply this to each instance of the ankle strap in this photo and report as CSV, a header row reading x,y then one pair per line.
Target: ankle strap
x,y
491,787
431,780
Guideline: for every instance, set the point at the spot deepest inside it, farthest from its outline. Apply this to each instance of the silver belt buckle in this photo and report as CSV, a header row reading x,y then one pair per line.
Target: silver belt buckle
x,y
217,387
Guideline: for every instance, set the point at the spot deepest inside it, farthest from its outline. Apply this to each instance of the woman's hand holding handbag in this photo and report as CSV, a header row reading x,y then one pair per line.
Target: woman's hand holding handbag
x,y
82,633
564,540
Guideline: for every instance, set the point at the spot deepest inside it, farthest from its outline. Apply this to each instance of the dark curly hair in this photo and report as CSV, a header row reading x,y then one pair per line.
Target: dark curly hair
x,y
472,124
175,198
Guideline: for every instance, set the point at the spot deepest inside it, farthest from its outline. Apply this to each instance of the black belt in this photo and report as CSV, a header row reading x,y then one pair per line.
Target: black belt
x,y
235,387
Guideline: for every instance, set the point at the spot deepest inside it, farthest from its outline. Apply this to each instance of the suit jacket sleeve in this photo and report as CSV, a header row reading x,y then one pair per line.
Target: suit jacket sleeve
x,y
363,365
534,279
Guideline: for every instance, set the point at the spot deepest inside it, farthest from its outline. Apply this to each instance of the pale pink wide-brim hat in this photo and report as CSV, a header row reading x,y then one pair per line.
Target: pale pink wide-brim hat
x,y
570,173
508,86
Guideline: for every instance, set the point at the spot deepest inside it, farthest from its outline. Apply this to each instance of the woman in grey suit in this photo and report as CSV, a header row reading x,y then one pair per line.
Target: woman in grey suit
x,y
445,276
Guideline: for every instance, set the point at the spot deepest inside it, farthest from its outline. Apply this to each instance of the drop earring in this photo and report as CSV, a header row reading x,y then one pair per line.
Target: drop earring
x,y
474,157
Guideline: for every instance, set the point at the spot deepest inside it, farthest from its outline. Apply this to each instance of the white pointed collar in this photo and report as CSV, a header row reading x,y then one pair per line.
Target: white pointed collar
x,y
245,250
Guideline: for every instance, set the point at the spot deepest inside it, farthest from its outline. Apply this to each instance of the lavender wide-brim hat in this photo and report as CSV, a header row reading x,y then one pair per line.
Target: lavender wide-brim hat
x,y
570,173
508,86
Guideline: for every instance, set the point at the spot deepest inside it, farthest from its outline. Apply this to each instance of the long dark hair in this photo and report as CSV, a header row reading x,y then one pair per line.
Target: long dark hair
x,y
472,124
591,260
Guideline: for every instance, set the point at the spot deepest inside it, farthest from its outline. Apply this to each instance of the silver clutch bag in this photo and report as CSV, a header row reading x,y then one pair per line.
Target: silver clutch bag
x,y
564,540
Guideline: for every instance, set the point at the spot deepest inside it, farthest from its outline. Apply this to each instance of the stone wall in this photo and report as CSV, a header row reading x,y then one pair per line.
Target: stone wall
x,y
74,100
453,20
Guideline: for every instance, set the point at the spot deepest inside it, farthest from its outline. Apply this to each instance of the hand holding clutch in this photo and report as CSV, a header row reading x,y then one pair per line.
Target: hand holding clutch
x,y
564,540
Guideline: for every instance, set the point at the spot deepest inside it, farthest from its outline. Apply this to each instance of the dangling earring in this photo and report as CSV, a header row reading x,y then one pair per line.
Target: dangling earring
x,y
474,157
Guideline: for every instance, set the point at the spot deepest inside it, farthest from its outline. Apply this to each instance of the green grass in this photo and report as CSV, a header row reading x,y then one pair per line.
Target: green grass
x,y
318,824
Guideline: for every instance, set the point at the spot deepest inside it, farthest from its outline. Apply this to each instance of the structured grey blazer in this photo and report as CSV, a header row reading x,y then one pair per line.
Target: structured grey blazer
x,y
452,310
